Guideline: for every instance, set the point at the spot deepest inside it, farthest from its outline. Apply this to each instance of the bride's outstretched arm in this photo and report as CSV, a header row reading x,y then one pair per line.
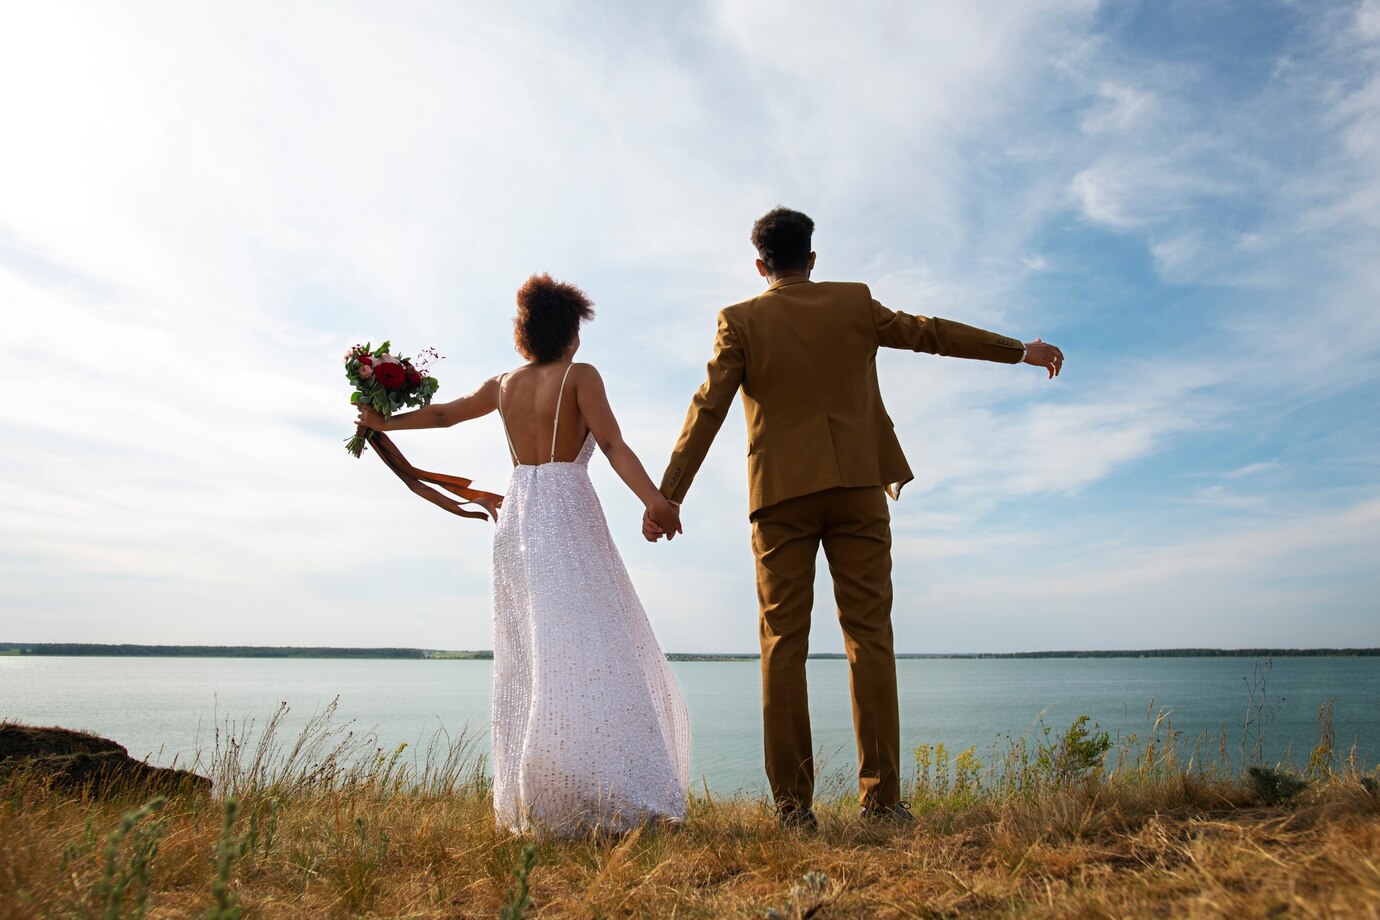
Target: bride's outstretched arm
x,y
598,415
438,415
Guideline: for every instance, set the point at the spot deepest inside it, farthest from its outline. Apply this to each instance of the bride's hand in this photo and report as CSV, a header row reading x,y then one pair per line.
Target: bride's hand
x,y
369,417
662,518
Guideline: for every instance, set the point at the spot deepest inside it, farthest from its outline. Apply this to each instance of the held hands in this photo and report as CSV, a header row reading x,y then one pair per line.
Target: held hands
x,y
661,519
1042,354
369,417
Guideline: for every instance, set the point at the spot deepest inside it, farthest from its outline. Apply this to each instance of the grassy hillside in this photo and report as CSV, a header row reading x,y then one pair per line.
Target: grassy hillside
x,y
1060,824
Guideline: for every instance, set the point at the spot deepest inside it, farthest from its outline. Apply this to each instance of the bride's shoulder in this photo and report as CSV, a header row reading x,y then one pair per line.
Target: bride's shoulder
x,y
585,377
507,377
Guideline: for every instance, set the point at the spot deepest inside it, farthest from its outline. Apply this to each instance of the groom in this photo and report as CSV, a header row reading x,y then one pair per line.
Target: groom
x,y
822,458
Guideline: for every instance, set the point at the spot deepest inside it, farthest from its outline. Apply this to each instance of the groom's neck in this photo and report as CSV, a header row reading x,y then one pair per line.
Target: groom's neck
x,y
772,279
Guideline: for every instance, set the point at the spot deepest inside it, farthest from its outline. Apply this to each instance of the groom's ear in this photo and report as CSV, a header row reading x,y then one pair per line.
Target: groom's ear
x,y
762,268
810,266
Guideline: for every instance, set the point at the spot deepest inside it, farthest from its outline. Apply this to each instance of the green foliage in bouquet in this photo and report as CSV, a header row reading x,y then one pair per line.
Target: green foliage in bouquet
x,y
388,383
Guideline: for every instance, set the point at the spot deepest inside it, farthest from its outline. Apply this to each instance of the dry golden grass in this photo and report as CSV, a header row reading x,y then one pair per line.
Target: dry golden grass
x,y
1124,833
1191,849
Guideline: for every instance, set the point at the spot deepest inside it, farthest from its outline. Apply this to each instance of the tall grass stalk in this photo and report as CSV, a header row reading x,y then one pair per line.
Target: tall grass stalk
x,y
520,895
134,870
231,848
327,755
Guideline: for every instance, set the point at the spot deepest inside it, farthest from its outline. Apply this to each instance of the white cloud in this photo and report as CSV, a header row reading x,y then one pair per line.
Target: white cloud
x,y
1258,551
1102,196
1253,469
1368,19
1218,496
1179,255
1122,107
986,434
1280,580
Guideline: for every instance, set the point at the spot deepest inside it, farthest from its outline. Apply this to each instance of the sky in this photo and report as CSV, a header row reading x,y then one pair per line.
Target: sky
x,y
203,205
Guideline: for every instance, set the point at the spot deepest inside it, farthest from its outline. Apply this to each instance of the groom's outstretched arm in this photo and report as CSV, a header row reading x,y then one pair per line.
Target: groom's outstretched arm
x,y
707,411
943,337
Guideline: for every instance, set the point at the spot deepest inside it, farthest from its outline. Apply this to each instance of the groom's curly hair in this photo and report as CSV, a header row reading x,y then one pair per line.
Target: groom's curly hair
x,y
782,238
548,317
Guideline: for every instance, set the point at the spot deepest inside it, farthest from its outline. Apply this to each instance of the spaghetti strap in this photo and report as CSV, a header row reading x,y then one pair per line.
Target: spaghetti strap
x,y
504,419
556,426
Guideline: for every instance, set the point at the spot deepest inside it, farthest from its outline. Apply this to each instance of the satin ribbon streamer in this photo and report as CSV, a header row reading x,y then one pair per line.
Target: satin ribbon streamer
x,y
417,480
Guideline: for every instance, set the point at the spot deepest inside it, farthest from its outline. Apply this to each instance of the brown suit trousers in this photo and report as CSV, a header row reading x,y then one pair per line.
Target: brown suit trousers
x,y
854,527
821,456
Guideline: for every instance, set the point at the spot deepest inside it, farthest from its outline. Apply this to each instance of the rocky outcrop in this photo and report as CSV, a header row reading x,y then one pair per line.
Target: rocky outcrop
x,y
64,759
25,742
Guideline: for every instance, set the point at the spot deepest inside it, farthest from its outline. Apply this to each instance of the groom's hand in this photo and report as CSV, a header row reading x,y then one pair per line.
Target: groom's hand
x,y
1042,354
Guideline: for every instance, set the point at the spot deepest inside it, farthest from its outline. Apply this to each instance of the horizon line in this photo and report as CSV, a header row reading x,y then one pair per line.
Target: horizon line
x,y
39,648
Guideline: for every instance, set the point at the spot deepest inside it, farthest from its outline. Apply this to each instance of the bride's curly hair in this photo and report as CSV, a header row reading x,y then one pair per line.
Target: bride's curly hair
x,y
548,317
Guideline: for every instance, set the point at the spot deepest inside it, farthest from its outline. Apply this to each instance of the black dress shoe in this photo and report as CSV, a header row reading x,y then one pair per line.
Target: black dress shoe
x,y
794,816
898,814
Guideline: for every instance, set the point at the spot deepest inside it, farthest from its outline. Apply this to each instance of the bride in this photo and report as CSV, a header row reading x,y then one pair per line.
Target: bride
x,y
590,730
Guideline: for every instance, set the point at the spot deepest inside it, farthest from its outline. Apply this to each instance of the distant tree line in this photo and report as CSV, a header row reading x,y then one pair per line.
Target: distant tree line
x,y
480,655
203,651
288,651
1110,653
1178,653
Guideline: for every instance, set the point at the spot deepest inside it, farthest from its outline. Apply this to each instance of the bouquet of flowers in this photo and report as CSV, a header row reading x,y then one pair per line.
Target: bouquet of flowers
x,y
388,383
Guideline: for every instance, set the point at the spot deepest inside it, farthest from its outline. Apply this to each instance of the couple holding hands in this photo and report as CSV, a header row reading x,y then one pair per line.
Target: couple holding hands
x,y
590,730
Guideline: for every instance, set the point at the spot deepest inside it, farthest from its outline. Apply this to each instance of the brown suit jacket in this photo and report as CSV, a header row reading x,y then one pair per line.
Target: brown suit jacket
x,y
805,355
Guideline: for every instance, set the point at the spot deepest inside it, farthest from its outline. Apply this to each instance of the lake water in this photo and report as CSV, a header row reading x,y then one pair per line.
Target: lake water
x,y
168,706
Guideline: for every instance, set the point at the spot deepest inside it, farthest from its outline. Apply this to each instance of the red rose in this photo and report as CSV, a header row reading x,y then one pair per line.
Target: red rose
x,y
366,360
413,378
390,375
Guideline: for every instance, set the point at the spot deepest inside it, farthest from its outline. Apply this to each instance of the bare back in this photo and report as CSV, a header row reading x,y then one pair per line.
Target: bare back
x,y
535,405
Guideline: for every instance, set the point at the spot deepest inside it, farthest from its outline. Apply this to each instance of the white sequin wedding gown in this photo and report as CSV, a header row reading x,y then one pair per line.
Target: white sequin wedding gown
x,y
590,730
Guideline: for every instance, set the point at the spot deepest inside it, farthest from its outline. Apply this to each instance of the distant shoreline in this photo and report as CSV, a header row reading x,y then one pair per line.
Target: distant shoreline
x,y
84,649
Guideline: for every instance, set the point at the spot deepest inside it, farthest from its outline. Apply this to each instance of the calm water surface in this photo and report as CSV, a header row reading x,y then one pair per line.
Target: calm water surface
x,y
166,707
